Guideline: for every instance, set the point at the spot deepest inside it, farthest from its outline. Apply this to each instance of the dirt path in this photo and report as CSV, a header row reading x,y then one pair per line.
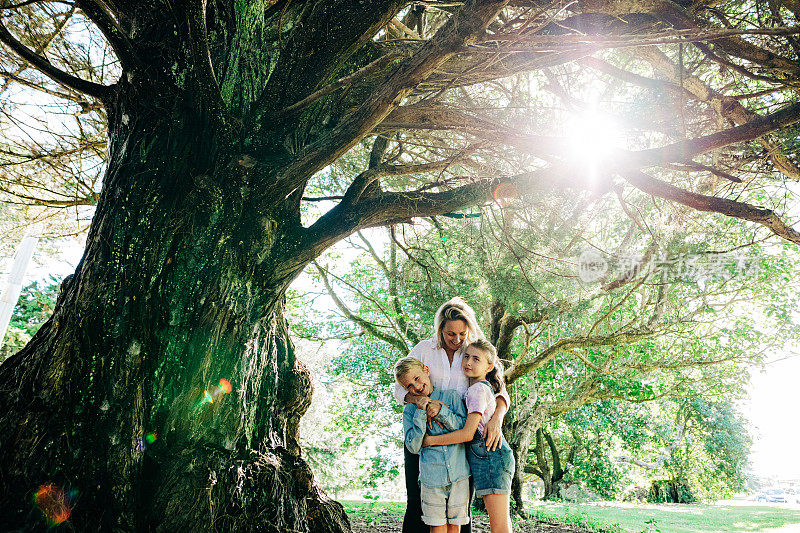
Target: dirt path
x,y
387,523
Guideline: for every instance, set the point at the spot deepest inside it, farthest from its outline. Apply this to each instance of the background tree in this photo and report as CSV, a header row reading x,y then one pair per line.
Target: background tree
x,y
651,334
52,136
704,454
611,449
36,303
222,116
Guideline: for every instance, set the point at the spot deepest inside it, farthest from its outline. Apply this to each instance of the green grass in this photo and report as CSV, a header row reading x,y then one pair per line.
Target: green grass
x,y
576,517
375,512
366,509
612,517
677,518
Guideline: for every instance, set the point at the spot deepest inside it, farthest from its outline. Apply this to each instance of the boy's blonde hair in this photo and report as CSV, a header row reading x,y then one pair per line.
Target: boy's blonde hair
x,y
495,375
456,309
405,365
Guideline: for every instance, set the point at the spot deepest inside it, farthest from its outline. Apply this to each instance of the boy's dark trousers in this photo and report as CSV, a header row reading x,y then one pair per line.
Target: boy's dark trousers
x,y
412,521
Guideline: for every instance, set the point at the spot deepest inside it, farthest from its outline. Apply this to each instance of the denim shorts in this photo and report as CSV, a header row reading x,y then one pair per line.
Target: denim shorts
x,y
492,471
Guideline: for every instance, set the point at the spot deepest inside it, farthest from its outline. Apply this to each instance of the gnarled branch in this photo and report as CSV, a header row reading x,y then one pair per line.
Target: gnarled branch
x,y
111,30
367,326
731,208
464,27
101,92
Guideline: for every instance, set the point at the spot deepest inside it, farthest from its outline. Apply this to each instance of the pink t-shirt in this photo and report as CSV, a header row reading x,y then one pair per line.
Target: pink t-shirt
x,y
480,399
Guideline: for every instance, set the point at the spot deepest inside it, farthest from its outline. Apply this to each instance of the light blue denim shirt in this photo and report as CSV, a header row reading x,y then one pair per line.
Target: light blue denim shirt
x,y
438,465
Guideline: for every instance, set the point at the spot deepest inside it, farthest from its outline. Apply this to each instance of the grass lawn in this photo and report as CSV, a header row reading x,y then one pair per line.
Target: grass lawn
x,y
366,509
649,518
672,518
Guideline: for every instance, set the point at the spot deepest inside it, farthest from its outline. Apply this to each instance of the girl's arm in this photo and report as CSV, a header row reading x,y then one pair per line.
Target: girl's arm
x,y
494,427
464,434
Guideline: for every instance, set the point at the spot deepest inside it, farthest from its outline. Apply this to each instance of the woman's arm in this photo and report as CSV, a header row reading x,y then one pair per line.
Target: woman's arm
x,y
454,437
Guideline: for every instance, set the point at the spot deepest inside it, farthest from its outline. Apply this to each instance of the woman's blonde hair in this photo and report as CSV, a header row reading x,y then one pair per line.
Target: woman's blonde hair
x,y
456,309
404,365
495,375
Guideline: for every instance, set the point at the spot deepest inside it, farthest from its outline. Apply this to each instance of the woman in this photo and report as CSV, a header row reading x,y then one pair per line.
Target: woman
x,y
454,328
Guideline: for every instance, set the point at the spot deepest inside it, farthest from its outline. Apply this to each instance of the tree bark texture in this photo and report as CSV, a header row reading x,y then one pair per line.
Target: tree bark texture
x,y
119,397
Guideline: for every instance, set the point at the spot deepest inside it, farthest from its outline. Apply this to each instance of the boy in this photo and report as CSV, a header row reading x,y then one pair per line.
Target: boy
x,y
443,470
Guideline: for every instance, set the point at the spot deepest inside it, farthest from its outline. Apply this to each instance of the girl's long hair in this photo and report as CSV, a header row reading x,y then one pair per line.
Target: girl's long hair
x,y
495,375
456,309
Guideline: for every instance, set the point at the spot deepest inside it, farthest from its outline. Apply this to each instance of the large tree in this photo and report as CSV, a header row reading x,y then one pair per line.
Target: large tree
x,y
164,393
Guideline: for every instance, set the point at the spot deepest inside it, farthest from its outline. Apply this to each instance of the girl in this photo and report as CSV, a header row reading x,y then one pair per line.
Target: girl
x,y
491,470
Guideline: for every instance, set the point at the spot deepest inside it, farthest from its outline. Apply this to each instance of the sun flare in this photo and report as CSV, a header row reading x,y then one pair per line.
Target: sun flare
x,y
592,137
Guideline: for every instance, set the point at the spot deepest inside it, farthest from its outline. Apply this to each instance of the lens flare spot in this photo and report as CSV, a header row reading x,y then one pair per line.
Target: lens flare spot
x,y
208,398
150,438
225,386
53,503
505,193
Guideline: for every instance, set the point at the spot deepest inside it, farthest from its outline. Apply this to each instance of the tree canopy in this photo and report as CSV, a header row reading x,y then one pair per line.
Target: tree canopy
x,y
646,332
700,95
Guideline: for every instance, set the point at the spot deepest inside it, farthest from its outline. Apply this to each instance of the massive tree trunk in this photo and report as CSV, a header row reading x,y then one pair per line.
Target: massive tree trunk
x,y
164,394
118,400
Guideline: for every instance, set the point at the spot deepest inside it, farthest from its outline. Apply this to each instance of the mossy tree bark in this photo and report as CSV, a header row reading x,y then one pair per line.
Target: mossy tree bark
x,y
181,285
195,239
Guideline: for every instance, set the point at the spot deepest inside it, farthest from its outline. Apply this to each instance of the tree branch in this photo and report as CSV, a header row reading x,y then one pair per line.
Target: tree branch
x,y
395,207
441,118
375,66
111,30
520,369
503,327
726,107
466,26
733,45
577,42
73,97
365,325
27,3
655,465
685,150
731,208
401,315
101,92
